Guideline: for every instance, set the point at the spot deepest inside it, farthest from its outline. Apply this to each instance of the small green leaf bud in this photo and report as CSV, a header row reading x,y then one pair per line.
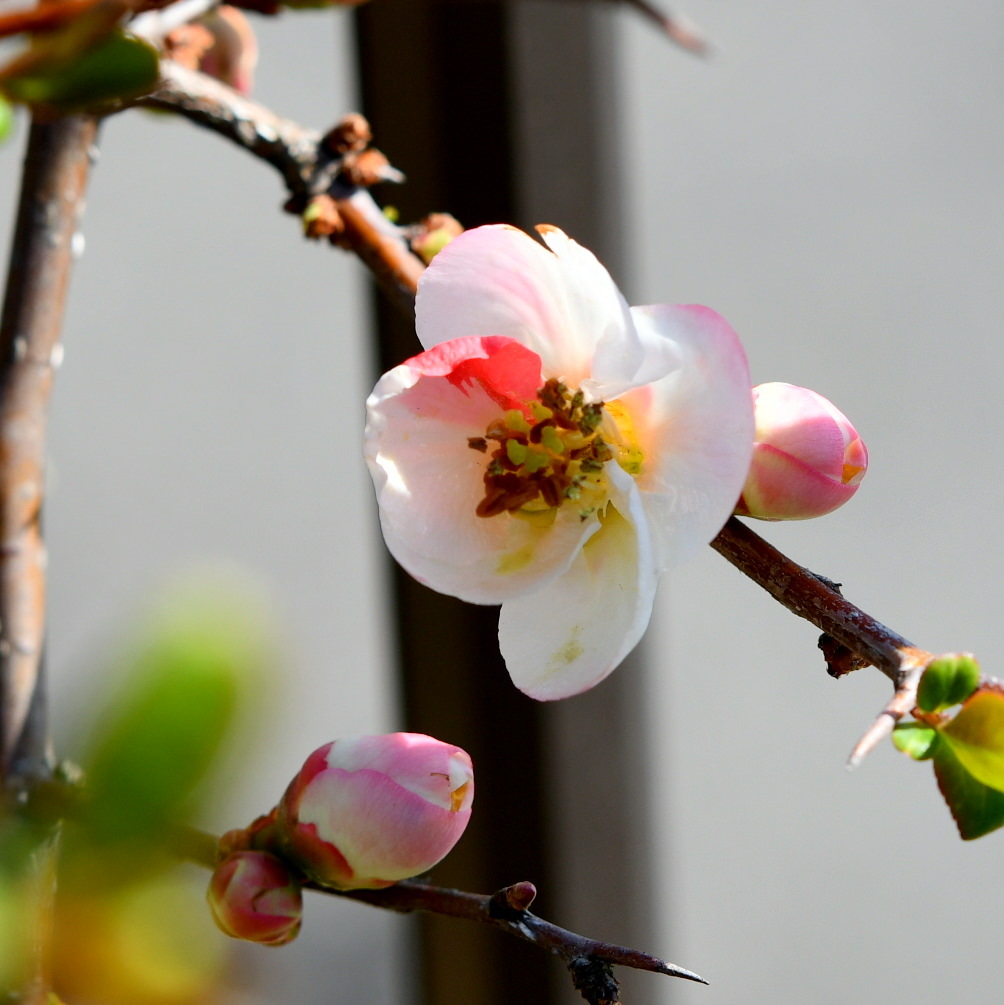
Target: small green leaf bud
x,y
948,680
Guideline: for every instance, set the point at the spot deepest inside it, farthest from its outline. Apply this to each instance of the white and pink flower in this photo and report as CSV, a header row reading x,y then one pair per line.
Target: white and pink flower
x,y
555,450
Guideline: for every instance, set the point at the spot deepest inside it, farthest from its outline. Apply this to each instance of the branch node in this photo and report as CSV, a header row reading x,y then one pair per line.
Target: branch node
x,y
594,980
511,902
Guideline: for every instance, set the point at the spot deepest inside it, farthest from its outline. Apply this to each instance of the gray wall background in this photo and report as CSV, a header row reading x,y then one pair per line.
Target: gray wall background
x,y
831,183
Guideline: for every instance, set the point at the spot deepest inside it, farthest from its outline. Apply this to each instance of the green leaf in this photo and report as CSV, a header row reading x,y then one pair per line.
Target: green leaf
x,y
117,66
976,736
965,682
947,681
151,752
976,808
915,739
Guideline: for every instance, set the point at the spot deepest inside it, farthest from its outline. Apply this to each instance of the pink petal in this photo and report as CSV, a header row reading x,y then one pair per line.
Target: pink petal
x,y
429,481
383,831
785,488
695,428
568,636
804,424
421,764
561,303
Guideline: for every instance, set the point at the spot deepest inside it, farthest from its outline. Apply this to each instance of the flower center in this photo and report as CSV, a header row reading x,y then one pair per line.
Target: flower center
x,y
551,452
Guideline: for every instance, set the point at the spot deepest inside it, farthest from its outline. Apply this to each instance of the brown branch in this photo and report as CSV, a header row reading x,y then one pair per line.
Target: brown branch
x,y
55,177
307,169
290,148
808,596
396,269
411,895
588,960
813,598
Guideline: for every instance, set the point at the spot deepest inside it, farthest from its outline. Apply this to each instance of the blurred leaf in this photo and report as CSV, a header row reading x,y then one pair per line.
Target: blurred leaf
x,y
947,681
116,66
915,739
200,655
51,18
145,943
977,808
976,736
11,933
6,118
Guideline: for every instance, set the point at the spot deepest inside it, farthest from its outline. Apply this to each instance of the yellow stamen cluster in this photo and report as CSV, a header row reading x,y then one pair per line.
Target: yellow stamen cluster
x,y
554,454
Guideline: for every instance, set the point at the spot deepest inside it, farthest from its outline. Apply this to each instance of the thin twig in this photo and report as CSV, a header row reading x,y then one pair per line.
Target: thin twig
x,y
411,895
504,910
678,30
304,165
51,202
902,703
810,597
155,25
290,148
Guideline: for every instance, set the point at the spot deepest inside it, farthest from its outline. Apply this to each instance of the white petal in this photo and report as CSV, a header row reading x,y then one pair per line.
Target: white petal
x,y
695,427
561,303
429,482
571,634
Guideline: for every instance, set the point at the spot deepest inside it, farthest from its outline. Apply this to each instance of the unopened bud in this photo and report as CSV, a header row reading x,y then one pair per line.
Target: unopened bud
x,y
321,218
221,43
367,811
368,167
433,234
351,133
254,896
807,457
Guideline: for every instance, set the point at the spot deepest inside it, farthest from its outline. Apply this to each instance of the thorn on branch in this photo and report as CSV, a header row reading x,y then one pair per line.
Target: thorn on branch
x,y
901,703
679,30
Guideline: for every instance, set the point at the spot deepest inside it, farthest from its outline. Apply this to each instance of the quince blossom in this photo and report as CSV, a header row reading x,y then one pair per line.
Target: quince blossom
x,y
555,450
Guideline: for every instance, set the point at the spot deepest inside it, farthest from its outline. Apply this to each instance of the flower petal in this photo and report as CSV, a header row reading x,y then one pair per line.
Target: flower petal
x,y
429,480
383,832
782,487
694,425
561,303
568,636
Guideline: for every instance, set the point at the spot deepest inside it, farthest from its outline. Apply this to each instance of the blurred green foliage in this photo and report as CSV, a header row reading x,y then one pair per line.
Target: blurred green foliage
x,y
115,66
128,926
201,656
6,118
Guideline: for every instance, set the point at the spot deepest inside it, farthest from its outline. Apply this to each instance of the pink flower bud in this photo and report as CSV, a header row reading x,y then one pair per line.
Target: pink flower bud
x,y
367,811
807,457
254,896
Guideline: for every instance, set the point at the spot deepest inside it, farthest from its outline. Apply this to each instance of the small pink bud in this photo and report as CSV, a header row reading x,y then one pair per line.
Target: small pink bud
x,y
254,896
367,811
807,457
